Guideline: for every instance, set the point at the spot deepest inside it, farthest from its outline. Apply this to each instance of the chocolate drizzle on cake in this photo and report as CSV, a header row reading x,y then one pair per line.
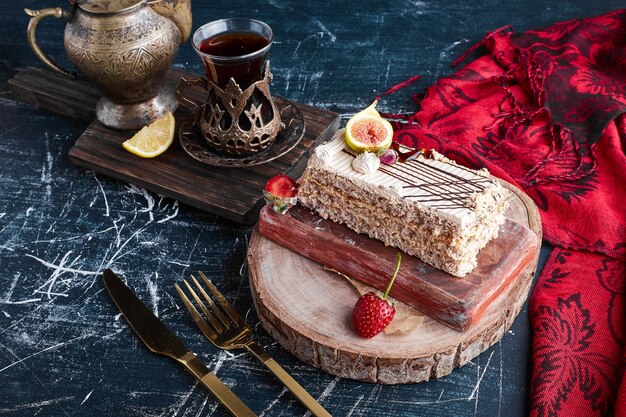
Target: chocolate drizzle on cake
x,y
436,185
426,178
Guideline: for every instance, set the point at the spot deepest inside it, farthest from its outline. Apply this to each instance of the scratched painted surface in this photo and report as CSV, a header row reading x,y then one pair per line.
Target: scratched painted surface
x,y
64,348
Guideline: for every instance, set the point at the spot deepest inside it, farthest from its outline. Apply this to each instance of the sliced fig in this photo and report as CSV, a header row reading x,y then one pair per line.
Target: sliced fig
x,y
368,131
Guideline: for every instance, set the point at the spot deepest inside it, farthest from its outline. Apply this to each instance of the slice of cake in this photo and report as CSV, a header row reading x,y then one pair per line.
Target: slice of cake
x,y
429,207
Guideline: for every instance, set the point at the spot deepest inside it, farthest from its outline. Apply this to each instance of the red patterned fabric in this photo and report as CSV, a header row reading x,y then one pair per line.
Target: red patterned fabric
x,y
543,110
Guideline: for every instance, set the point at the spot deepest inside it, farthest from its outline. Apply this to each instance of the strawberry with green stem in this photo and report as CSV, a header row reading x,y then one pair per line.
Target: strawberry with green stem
x,y
280,193
371,313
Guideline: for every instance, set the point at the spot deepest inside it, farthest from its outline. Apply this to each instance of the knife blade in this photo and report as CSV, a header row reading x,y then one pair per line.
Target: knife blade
x,y
160,340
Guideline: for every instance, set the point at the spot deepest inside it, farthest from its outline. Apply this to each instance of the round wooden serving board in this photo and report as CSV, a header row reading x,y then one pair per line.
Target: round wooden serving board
x,y
307,309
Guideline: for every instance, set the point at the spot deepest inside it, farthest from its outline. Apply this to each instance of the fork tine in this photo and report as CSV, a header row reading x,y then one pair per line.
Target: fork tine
x,y
204,326
195,314
228,308
186,301
216,310
216,325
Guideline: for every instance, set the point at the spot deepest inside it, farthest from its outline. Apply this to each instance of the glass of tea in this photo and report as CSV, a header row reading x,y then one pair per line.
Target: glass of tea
x,y
233,48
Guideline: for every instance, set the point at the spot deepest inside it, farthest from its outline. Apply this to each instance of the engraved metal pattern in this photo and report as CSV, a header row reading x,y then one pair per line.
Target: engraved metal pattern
x,y
233,120
125,48
292,130
126,55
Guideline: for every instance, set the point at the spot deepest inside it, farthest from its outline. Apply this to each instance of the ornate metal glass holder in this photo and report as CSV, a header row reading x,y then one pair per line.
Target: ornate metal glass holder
x,y
236,121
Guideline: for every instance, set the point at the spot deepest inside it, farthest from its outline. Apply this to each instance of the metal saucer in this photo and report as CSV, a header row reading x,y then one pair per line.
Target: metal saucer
x,y
292,131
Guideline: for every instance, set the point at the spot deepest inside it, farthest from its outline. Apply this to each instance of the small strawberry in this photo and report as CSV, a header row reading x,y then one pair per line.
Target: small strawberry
x,y
280,193
371,313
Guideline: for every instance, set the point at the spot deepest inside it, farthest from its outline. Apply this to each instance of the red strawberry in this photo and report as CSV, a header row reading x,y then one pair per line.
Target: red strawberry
x,y
281,186
371,313
280,193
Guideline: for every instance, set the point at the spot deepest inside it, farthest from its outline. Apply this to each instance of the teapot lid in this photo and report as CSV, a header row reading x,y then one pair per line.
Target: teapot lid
x,y
106,6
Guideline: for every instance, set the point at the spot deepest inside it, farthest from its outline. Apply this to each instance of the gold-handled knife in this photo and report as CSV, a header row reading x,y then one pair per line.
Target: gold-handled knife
x,y
162,341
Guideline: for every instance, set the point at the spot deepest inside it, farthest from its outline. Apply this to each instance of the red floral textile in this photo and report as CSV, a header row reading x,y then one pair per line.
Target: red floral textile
x,y
543,110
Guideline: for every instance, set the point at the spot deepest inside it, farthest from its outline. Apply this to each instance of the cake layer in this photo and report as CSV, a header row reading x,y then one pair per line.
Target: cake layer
x,y
431,208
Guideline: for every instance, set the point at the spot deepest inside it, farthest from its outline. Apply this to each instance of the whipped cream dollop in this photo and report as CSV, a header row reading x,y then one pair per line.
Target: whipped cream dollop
x,y
366,163
326,151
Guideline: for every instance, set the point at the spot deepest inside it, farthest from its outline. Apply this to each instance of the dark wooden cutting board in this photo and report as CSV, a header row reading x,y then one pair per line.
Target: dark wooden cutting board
x,y
232,193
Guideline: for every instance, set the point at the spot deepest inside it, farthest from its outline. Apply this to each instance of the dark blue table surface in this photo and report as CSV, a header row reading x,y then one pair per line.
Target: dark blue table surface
x,y
64,348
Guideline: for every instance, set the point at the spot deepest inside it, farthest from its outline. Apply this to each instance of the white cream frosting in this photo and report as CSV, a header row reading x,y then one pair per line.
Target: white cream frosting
x,y
326,151
422,180
366,163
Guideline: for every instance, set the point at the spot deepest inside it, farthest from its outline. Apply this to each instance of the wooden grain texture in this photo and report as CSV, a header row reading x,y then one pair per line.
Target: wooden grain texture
x,y
233,193
456,302
55,92
307,308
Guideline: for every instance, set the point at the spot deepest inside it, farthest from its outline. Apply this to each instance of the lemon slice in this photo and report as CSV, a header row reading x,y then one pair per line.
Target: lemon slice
x,y
154,139
368,131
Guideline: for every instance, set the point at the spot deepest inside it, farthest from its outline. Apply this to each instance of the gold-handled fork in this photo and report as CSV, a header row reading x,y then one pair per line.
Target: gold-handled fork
x,y
226,329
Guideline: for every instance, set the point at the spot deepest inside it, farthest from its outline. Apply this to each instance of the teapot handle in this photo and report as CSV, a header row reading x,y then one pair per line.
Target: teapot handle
x,y
35,17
